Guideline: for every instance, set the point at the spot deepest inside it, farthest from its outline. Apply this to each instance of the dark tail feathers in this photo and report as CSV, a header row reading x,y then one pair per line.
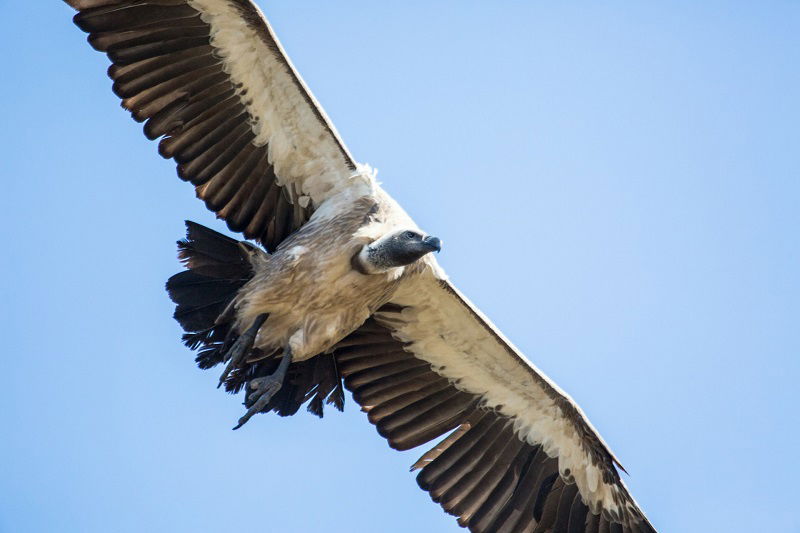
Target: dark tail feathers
x,y
218,267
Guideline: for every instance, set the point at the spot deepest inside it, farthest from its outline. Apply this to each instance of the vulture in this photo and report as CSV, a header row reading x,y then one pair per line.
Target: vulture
x,y
336,286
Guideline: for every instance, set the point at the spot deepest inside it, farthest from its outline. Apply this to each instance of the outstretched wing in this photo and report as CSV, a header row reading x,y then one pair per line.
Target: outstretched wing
x,y
521,456
211,79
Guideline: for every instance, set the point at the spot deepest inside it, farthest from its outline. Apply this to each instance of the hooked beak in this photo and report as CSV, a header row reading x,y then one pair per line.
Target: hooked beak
x,y
433,243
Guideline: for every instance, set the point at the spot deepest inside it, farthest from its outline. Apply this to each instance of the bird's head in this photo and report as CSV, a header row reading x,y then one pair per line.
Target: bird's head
x,y
396,249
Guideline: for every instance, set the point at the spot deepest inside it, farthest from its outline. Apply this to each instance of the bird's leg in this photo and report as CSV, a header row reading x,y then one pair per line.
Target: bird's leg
x,y
265,388
241,347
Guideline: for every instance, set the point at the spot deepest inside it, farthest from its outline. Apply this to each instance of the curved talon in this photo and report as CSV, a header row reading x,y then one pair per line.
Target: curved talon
x,y
234,357
241,347
264,389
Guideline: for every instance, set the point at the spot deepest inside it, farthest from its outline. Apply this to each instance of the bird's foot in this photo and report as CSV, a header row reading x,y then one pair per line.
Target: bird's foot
x,y
241,347
264,389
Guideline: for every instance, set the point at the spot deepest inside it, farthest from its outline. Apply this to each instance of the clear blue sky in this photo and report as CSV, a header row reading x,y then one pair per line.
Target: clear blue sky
x,y
617,186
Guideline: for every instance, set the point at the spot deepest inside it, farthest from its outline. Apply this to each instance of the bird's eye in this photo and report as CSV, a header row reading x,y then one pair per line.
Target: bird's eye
x,y
410,235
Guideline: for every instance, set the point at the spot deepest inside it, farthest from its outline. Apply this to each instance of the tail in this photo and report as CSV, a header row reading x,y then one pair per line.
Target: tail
x,y
217,268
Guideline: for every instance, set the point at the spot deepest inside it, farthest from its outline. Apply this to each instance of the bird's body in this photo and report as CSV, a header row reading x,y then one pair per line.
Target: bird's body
x,y
309,286
344,292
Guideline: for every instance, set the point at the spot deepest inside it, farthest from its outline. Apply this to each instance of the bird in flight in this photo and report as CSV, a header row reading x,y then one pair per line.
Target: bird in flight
x,y
343,291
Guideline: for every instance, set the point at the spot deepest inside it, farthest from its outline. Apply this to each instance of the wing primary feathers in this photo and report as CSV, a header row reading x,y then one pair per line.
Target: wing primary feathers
x,y
541,496
356,365
565,500
485,479
281,223
88,4
466,495
141,111
172,119
223,118
193,132
242,207
577,515
257,225
132,71
437,450
445,418
592,523
401,401
108,40
353,352
485,517
223,187
425,412
615,527
364,339
124,55
357,379
467,461
130,17
436,468
176,67
211,161
388,387
549,512
129,86
517,514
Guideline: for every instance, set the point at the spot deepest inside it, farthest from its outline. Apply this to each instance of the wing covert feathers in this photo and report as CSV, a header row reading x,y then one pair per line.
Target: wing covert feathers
x,y
211,79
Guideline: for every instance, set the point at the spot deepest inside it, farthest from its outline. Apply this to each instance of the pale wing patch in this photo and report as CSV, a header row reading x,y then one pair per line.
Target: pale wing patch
x,y
303,146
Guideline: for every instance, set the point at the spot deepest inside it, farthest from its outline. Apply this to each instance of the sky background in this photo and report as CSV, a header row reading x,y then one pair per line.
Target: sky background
x,y
617,186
